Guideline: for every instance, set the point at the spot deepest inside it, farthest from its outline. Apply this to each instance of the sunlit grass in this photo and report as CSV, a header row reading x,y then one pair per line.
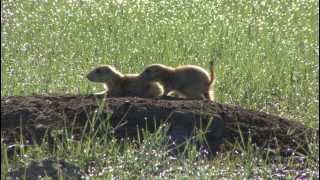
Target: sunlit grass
x,y
266,52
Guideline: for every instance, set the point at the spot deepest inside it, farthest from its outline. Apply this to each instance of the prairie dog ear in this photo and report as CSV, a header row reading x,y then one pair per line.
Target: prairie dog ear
x,y
98,70
147,71
103,69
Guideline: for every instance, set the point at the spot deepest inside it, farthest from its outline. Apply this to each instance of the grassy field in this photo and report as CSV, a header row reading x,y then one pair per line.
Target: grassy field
x,y
266,55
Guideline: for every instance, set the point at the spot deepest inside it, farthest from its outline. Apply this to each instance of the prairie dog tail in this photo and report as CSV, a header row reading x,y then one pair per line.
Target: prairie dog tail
x,y
212,74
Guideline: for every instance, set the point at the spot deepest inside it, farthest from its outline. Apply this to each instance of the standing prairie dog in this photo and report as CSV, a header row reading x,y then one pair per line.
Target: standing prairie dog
x,y
189,80
117,84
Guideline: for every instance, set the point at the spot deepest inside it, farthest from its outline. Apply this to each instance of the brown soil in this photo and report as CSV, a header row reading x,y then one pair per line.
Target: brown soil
x,y
36,114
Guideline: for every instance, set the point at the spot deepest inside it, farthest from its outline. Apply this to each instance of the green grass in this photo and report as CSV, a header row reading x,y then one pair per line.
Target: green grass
x,y
266,52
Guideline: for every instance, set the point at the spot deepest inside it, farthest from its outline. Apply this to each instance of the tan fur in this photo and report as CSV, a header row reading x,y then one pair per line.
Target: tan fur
x,y
118,84
189,80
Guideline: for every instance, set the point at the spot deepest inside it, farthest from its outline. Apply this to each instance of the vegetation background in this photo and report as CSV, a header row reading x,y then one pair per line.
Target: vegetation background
x,y
266,54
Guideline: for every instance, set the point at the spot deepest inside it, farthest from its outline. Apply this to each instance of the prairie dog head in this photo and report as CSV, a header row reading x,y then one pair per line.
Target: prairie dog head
x,y
155,72
104,74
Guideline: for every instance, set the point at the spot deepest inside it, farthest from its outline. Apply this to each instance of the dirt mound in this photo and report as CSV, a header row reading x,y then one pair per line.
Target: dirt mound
x,y
33,115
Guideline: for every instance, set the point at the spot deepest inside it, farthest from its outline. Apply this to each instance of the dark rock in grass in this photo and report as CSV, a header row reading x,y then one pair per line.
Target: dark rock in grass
x,y
48,168
128,116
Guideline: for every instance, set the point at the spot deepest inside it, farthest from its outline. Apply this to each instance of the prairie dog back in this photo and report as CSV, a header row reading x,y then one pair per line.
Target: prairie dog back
x,y
133,85
189,80
191,74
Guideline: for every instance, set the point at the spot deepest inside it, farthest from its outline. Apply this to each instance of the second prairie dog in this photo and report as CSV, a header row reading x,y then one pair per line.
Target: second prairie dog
x,y
118,84
189,80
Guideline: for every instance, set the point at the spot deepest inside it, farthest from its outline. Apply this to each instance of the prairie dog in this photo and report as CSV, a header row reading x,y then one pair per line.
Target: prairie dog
x,y
189,80
117,84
